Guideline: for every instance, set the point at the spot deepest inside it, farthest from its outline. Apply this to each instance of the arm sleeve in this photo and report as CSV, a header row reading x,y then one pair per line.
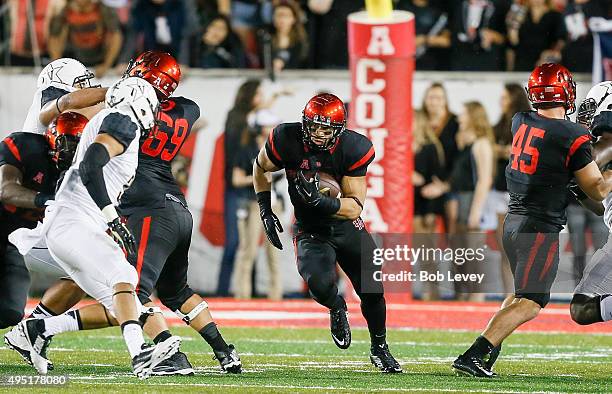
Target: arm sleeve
x,y
273,148
92,174
51,93
120,127
360,158
10,152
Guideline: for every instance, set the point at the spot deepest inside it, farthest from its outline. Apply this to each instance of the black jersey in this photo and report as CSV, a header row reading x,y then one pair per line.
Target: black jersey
x,y
545,154
154,179
350,156
28,152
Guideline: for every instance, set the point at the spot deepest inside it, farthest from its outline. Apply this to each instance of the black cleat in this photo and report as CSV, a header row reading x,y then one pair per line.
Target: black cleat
x,y
141,363
340,328
229,360
471,366
177,364
382,359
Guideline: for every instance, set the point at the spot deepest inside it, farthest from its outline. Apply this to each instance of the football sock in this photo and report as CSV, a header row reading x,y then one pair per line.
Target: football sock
x,y
374,311
41,312
479,348
69,321
605,305
211,334
494,355
378,339
132,334
162,336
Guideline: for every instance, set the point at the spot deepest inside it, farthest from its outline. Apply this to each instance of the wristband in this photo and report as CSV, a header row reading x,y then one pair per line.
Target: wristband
x,y
328,205
264,199
110,213
57,105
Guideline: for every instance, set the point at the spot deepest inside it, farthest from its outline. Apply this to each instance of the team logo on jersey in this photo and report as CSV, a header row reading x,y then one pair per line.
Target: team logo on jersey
x,y
39,178
358,223
305,165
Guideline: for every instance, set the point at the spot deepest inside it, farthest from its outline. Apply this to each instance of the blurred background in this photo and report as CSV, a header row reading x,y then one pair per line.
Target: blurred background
x,y
251,64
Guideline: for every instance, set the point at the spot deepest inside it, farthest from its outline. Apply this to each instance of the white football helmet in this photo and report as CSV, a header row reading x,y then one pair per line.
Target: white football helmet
x,y
598,99
65,71
136,95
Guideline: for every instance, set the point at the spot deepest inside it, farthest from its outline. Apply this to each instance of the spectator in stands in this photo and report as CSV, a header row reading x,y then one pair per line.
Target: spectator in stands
x,y
88,31
445,127
433,37
289,41
246,17
250,230
428,163
471,179
248,100
577,54
160,23
478,34
537,35
218,46
513,100
327,31
25,46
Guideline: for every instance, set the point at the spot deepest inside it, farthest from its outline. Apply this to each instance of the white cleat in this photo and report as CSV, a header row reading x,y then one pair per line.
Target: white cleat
x,y
28,341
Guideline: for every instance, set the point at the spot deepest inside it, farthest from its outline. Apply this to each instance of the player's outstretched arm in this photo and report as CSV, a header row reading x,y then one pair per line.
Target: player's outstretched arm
x,y
97,155
263,184
12,191
595,185
75,100
353,196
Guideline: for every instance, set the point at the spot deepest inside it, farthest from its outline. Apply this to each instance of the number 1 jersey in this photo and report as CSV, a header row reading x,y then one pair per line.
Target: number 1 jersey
x,y
154,179
545,154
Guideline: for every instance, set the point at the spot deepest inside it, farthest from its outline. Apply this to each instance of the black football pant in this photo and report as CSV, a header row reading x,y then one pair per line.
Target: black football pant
x,y
163,237
317,251
14,284
532,247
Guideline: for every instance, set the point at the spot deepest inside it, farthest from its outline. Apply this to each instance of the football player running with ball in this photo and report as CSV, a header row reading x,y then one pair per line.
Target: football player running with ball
x,y
328,229
547,152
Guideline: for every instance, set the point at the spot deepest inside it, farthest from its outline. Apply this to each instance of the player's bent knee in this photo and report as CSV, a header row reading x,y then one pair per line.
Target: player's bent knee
x,y
584,309
173,299
10,317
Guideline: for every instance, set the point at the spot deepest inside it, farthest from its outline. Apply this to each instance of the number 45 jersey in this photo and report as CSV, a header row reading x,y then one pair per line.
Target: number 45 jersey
x,y
154,179
544,156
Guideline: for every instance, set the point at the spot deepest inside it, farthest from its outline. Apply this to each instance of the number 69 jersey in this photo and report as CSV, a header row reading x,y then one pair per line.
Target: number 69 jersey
x,y
545,154
118,172
154,179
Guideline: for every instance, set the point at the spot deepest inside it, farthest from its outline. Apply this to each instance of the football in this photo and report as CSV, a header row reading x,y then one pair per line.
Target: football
x,y
329,186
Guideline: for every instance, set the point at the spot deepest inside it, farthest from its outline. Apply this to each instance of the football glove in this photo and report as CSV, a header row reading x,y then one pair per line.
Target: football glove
x,y
269,219
308,189
122,236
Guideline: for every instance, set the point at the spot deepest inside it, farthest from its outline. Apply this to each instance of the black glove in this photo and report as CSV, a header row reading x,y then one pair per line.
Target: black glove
x,y
122,236
41,198
308,189
270,221
576,191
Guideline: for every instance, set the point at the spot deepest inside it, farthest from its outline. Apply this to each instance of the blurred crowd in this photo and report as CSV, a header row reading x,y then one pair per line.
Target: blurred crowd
x,y
469,35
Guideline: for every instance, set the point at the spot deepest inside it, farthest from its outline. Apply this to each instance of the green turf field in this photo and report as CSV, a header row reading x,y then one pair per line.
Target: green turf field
x,y
305,360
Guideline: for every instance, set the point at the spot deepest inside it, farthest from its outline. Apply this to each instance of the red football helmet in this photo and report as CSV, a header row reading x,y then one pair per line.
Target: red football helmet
x,y
160,69
63,136
323,111
552,84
